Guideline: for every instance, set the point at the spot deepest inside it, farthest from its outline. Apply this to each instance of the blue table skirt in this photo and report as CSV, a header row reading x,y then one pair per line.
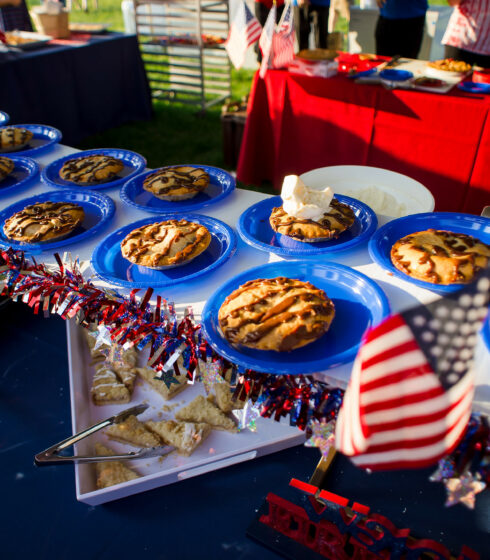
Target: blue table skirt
x,y
80,90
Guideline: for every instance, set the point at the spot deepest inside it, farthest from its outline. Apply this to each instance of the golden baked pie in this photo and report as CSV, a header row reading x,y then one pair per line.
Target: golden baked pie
x,y
317,54
278,314
91,170
43,221
176,183
165,244
440,257
6,167
450,65
339,218
14,138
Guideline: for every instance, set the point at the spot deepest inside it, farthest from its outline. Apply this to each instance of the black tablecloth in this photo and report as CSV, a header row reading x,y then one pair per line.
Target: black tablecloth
x,y
81,90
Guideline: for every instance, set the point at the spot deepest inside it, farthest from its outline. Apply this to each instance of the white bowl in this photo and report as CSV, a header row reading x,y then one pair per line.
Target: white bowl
x,y
411,196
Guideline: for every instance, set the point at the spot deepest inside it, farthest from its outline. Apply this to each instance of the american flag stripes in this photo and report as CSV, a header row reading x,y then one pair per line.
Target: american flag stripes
x,y
265,41
410,394
244,31
283,40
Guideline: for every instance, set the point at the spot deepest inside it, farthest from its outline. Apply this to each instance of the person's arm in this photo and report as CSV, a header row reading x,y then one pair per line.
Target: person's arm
x,y
454,2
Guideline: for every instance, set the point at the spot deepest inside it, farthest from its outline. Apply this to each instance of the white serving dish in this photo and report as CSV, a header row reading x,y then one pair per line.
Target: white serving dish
x,y
219,450
444,74
349,179
35,39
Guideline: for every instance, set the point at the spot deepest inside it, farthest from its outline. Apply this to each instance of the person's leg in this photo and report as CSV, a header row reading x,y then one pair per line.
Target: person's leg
x,y
399,36
321,32
304,27
411,35
466,56
384,37
261,13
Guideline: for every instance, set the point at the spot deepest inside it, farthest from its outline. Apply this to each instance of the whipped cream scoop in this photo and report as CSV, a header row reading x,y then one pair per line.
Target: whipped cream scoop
x,y
304,202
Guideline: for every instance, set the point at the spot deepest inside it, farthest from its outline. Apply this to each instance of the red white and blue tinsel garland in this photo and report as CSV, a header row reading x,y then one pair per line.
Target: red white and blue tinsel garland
x,y
310,404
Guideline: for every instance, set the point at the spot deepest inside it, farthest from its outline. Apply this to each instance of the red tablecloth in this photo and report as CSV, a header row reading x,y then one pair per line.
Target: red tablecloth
x,y
297,123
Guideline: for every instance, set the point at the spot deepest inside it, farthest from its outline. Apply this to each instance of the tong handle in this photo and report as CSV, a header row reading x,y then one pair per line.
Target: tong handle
x,y
42,459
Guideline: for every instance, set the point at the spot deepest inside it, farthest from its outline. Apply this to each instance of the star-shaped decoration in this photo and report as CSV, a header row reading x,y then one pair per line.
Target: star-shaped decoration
x,y
463,489
210,374
248,414
445,469
102,337
167,377
322,436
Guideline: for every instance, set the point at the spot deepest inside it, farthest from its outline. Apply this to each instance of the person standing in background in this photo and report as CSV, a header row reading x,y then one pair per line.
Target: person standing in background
x,y
312,13
400,27
14,15
467,35
262,9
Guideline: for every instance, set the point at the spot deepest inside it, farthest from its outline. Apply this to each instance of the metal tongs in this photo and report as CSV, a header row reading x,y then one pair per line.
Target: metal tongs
x,y
51,456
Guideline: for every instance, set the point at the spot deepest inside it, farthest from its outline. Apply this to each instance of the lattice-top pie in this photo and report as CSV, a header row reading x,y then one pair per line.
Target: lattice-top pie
x,y
14,138
339,218
278,314
43,221
6,167
91,170
440,257
176,183
165,244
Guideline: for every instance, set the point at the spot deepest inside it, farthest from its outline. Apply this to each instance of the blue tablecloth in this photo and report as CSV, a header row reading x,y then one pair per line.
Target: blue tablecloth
x,y
81,90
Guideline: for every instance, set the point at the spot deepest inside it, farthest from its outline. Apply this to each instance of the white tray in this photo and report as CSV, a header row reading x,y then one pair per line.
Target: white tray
x,y
219,450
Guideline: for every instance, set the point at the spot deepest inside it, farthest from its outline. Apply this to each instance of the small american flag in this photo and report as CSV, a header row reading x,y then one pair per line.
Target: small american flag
x,y
244,31
409,398
265,41
283,40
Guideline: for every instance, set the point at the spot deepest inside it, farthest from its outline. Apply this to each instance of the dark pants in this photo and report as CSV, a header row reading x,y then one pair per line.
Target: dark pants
x,y
467,56
316,16
261,13
399,36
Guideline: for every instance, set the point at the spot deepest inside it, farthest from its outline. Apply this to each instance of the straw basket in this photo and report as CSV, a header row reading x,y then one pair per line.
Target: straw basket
x,y
55,25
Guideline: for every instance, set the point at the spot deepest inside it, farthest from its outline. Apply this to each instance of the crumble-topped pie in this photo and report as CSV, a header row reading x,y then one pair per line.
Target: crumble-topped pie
x,y
165,244
278,314
91,170
6,167
43,221
440,257
338,219
176,183
450,65
14,138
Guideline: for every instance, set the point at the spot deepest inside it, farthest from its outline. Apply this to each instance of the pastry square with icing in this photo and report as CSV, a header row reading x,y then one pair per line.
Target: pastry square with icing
x,y
91,170
6,167
14,138
185,436
148,375
176,183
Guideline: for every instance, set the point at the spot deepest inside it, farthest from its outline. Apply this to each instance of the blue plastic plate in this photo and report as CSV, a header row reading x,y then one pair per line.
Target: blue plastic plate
x,y
221,184
98,209
44,138
382,241
4,118
486,331
133,164
254,228
474,87
359,303
393,75
109,264
26,172
363,74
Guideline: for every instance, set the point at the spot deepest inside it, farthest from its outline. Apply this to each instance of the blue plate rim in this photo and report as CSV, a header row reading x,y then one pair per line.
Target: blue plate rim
x,y
285,251
93,151
346,356
36,248
29,179
188,207
6,118
469,88
28,153
395,72
486,331
438,288
226,256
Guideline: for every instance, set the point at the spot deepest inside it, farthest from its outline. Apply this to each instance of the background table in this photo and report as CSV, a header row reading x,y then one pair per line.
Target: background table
x,y
297,123
81,90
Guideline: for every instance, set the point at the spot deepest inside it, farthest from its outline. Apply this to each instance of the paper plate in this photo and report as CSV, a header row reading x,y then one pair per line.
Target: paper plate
x,y
98,209
221,184
382,241
474,87
359,303
110,265
394,75
25,173
254,228
486,331
133,164
44,138
4,118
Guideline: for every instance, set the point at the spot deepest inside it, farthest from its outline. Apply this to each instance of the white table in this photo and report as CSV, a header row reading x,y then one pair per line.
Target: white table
x,y
401,294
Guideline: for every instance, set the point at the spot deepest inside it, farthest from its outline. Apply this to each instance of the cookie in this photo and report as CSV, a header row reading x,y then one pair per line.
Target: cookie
x,y
110,473
6,167
176,183
440,257
14,138
91,170
165,244
43,221
338,219
278,314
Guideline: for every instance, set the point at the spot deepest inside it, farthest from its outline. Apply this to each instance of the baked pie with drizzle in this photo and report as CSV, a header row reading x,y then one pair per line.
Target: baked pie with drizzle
x,y
165,244
176,183
440,257
91,170
278,314
338,219
14,138
6,167
43,221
